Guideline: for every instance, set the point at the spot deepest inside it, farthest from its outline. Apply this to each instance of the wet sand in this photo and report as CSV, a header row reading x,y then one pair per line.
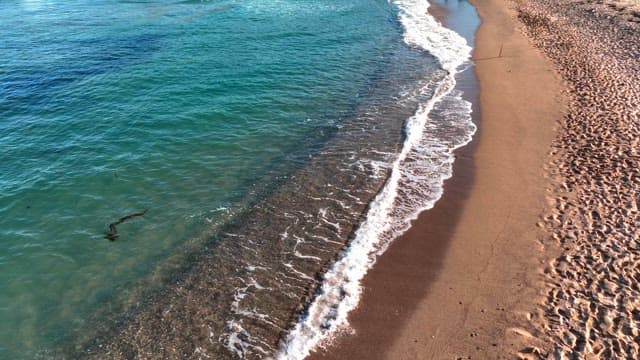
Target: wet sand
x,y
461,282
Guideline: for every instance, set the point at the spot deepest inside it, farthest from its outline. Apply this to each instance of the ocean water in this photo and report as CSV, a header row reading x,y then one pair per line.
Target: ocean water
x,y
277,146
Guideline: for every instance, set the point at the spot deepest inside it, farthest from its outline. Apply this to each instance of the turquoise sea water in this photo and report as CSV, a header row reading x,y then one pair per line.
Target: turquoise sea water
x,y
189,109
263,137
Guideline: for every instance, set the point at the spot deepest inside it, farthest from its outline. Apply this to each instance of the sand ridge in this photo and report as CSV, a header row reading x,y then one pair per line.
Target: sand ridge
x,y
592,304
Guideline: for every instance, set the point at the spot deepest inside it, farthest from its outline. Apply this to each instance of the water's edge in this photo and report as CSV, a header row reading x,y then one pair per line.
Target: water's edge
x,y
293,269
340,289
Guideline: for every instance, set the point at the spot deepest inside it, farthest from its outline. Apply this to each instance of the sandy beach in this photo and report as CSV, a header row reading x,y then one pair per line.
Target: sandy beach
x,y
460,282
533,251
591,308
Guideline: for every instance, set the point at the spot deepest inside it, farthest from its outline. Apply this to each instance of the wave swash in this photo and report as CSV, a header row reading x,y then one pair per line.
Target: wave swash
x,y
414,185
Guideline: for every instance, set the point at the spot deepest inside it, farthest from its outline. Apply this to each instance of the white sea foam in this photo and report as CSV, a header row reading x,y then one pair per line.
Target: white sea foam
x,y
420,170
238,341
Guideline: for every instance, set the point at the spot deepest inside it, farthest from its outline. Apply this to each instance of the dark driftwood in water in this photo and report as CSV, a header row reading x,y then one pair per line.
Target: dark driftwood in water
x,y
112,234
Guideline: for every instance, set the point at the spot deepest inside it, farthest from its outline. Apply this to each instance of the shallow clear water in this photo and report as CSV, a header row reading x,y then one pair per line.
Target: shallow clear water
x,y
274,119
183,108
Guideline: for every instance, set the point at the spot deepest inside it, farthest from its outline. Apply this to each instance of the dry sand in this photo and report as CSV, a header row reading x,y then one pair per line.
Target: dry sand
x,y
591,308
461,282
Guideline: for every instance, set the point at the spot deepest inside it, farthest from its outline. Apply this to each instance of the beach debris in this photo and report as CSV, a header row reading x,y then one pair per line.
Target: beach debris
x,y
112,234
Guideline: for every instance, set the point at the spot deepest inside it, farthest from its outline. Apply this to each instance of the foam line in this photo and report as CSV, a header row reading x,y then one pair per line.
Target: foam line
x,y
422,166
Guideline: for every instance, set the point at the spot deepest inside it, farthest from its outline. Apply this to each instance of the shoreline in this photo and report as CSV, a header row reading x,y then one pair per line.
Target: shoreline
x,y
459,282
242,318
